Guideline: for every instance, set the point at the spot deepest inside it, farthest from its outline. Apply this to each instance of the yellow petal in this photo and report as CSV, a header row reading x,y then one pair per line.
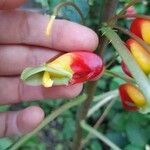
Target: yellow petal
x,y
136,96
46,81
62,63
141,55
145,31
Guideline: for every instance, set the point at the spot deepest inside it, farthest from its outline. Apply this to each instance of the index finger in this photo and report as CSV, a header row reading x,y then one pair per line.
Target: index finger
x,y
18,27
10,4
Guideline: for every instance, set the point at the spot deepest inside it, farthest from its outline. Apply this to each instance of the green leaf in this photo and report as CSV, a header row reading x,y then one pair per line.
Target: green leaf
x,y
70,13
44,3
68,128
141,9
91,2
117,137
4,108
135,134
95,145
145,110
116,81
133,147
119,121
5,143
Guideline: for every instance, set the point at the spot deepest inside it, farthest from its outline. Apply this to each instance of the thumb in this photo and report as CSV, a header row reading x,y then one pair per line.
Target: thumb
x,y
10,4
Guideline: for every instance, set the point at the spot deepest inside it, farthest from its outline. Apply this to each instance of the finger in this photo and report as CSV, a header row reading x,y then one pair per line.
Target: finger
x,y
10,4
18,27
12,90
19,122
16,58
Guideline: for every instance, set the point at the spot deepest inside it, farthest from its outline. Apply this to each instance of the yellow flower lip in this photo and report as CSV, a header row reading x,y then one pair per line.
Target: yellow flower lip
x,y
56,76
141,27
132,98
63,62
145,31
58,70
141,55
46,80
136,96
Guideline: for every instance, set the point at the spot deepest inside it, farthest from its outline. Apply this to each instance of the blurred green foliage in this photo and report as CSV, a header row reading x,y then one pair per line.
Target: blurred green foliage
x,y
129,130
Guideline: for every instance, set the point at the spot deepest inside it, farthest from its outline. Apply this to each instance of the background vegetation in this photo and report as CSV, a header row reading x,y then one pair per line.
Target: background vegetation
x,y
128,130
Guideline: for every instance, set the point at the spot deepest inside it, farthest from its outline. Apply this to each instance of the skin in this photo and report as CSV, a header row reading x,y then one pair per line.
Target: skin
x,y
22,44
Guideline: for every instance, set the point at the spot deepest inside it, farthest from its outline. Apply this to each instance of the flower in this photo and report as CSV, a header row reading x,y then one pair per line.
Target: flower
x,y
131,97
130,11
141,27
69,68
141,55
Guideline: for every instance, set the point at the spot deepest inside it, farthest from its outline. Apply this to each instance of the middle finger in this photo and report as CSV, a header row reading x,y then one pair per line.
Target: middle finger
x,y
15,58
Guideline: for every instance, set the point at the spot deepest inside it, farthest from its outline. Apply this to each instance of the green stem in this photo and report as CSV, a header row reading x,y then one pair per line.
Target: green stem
x,y
121,76
99,135
105,13
105,95
82,113
133,67
99,121
135,37
103,99
59,6
113,59
48,119
122,12
133,16
102,102
133,2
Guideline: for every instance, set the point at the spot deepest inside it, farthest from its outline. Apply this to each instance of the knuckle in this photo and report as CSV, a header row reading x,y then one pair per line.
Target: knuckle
x,y
73,91
24,27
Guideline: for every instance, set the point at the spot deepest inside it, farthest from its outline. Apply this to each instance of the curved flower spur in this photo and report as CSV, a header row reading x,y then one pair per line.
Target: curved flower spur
x,y
69,68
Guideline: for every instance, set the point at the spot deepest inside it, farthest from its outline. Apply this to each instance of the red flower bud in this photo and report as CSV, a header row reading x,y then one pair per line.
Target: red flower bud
x,y
131,97
130,11
141,27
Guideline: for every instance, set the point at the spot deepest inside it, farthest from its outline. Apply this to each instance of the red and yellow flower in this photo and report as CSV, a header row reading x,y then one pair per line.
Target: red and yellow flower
x,y
131,97
69,68
141,55
141,27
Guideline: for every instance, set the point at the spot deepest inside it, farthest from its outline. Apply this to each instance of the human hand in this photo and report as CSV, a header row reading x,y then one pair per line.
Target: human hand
x,y
22,44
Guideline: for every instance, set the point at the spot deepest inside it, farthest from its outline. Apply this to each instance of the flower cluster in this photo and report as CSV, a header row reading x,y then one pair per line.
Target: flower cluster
x,y
131,96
